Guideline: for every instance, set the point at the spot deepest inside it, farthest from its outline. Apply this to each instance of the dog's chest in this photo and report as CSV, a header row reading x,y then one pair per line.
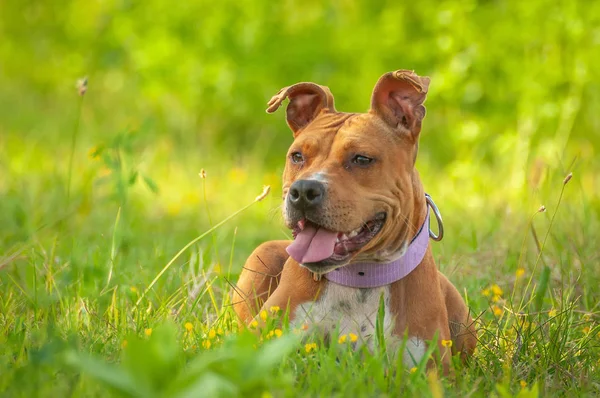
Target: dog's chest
x,y
352,310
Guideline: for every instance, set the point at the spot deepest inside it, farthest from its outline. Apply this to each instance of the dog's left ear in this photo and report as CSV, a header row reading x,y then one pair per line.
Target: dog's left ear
x,y
307,100
398,98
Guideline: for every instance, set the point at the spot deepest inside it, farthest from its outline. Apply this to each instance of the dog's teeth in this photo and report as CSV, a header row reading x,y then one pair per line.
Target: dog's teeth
x,y
355,232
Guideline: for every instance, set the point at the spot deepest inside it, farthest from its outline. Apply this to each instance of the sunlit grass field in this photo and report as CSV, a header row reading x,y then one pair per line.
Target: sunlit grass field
x,y
127,210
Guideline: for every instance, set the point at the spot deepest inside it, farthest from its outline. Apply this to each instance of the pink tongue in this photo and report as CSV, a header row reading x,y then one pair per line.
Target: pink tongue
x,y
312,245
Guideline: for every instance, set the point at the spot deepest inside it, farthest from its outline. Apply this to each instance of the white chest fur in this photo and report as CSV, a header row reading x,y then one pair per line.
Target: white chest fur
x,y
347,310
353,310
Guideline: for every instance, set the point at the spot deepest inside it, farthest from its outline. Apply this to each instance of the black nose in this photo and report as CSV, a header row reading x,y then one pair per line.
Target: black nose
x,y
306,194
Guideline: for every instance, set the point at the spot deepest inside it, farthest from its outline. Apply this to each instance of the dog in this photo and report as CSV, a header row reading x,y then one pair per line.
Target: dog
x,y
360,220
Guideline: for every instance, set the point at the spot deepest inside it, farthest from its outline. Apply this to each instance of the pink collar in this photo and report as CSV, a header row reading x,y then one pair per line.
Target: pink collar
x,y
369,275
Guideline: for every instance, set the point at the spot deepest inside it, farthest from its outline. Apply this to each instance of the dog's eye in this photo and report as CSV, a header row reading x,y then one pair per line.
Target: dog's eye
x,y
297,157
361,160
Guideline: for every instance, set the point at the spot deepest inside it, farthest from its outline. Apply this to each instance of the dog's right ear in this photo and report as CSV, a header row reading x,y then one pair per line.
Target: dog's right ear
x,y
307,100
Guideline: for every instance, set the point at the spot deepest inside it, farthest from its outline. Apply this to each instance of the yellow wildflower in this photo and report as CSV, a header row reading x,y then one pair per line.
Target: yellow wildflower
x,y
552,313
523,383
254,324
447,343
310,347
275,332
212,334
486,292
274,309
342,339
133,289
220,331
206,344
93,153
520,272
496,290
413,369
496,298
497,310
148,331
263,315
188,326
586,329
353,337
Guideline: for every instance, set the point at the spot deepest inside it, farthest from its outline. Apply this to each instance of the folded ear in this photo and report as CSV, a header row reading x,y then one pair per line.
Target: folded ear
x,y
307,100
398,98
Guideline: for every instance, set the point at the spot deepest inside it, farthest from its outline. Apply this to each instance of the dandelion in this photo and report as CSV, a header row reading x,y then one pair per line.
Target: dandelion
x,y
188,327
486,292
310,347
254,324
212,334
274,309
413,369
352,337
219,331
447,343
586,329
523,383
148,332
520,272
496,298
497,310
263,315
206,344
497,290
342,339
552,313
275,332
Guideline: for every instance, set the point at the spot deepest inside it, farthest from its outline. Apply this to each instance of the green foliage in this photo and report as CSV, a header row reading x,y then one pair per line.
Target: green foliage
x,y
154,367
108,283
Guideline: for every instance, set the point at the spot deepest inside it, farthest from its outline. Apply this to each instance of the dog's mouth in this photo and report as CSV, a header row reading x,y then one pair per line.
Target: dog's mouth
x,y
322,250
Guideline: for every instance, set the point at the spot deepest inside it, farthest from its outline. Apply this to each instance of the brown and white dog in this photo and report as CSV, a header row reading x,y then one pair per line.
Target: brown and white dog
x,y
359,215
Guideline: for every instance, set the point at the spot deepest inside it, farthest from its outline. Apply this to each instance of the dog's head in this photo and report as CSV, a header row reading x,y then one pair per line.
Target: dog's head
x,y
349,185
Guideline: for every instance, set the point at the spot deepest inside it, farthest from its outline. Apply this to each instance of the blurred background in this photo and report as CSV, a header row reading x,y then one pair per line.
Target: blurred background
x,y
176,87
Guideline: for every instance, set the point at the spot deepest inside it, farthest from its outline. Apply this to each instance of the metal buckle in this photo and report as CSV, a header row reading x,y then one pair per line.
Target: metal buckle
x,y
438,217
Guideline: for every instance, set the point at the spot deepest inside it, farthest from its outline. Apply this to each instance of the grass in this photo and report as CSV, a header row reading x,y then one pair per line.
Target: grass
x,y
115,283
